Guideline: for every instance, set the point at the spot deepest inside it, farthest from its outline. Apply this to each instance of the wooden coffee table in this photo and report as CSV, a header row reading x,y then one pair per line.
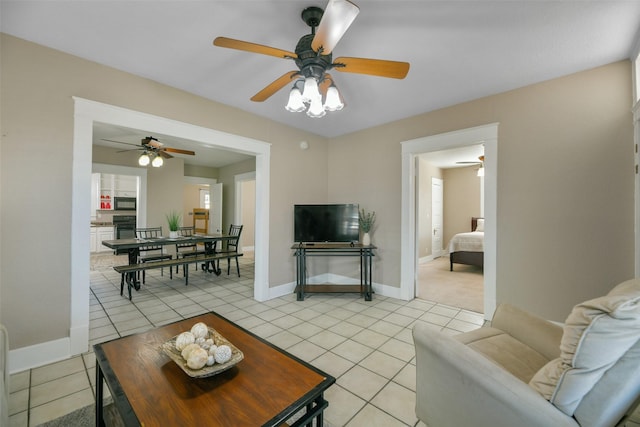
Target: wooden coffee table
x,y
267,388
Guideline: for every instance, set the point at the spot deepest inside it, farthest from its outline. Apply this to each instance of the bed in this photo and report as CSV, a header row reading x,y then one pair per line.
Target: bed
x,y
468,248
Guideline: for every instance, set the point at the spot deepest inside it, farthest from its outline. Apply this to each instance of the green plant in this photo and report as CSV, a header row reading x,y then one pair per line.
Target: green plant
x,y
366,220
173,218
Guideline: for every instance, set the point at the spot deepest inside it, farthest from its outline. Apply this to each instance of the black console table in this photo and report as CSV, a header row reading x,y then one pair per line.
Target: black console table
x,y
304,250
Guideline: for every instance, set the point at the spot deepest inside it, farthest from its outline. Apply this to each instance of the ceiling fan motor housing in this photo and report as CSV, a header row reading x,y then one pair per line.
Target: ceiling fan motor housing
x,y
308,61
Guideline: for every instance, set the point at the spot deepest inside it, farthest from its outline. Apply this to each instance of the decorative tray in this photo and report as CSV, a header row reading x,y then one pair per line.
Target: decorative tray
x,y
169,348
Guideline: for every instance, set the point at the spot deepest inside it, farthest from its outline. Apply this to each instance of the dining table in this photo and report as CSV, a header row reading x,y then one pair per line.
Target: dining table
x,y
133,247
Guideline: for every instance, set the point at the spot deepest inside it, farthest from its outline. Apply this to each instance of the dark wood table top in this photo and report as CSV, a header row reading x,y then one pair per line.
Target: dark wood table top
x,y
136,243
265,388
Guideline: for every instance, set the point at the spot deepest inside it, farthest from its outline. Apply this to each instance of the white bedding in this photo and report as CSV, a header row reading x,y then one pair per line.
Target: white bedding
x,y
467,242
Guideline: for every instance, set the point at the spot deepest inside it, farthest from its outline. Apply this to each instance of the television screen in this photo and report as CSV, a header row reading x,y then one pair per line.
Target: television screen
x,y
326,223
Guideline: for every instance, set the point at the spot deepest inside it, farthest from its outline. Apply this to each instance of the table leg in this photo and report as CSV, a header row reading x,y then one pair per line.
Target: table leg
x,y
301,273
368,287
99,396
131,278
210,266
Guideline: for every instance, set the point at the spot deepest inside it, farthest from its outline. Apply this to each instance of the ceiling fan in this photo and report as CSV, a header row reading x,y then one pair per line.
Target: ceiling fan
x,y
313,58
151,147
480,162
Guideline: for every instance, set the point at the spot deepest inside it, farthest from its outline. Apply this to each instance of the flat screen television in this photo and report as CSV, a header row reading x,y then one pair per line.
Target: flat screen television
x,y
326,223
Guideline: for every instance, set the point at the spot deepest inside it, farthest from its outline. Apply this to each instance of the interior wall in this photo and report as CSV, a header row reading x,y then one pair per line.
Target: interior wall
x,y
565,220
191,199
461,200
37,86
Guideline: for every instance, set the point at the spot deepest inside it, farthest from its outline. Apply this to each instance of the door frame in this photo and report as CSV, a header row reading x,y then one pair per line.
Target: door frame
x,y
86,112
488,135
440,249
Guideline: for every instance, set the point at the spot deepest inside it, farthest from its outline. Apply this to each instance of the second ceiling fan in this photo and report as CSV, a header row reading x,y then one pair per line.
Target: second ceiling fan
x,y
313,57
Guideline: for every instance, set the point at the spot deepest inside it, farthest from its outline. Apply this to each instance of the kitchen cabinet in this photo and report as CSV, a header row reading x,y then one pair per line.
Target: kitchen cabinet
x,y
107,186
98,234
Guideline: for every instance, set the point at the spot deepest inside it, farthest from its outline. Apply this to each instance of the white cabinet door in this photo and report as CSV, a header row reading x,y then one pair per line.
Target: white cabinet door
x,y
93,245
104,233
437,192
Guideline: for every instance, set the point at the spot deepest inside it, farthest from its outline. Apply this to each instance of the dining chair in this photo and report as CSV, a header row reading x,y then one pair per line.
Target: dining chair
x,y
184,250
152,252
230,247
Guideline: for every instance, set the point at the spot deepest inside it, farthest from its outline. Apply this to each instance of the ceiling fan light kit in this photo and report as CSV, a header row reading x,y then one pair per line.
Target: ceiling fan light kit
x,y
313,58
153,151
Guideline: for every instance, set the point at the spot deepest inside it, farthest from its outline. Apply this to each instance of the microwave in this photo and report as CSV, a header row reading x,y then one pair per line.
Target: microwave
x,y
124,203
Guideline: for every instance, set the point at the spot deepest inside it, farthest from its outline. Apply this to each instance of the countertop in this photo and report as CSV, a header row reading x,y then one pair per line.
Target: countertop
x,y
101,224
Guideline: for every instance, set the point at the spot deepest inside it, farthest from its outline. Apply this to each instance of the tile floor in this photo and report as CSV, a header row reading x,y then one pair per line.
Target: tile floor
x,y
367,346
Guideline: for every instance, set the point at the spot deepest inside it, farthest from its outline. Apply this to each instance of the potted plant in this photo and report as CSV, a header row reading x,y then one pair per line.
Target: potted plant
x,y
366,221
173,218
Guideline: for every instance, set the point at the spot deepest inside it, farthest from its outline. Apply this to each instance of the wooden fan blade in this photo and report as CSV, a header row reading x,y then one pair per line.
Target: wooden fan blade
x,y
253,47
336,20
164,154
275,86
178,151
119,142
374,67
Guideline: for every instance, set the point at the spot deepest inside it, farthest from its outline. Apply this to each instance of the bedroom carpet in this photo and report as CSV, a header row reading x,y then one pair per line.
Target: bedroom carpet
x,y
462,287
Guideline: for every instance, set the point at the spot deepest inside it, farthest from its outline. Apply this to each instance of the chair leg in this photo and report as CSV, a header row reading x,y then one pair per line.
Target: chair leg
x,y
121,284
238,266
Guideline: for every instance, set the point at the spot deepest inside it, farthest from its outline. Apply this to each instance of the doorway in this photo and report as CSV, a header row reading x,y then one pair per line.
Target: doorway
x,y
487,135
87,112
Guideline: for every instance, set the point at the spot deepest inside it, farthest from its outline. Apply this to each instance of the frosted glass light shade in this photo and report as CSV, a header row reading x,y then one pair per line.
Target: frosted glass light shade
x,y
316,110
333,102
310,91
144,159
157,162
295,104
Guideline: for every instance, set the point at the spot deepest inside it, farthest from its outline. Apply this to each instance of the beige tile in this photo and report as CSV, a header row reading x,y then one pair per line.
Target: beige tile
x,y
399,349
352,351
386,328
19,420
462,326
19,381
382,364
306,350
370,338
18,401
332,364
370,416
346,329
284,339
444,310
399,319
436,319
397,401
407,377
57,408
362,382
56,370
54,389
342,405
305,330
326,339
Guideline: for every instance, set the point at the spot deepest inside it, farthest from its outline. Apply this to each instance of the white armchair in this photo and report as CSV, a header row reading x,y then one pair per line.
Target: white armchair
x,y
525,371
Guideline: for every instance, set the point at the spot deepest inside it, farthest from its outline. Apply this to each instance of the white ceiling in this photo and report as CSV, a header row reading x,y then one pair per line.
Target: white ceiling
x,y
458,50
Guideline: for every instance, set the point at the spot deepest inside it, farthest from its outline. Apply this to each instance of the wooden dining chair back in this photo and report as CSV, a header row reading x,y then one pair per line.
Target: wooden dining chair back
x,y
231,247
151,252
187,249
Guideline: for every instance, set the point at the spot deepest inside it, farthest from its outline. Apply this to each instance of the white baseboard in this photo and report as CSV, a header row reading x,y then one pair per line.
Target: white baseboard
x,y
37,355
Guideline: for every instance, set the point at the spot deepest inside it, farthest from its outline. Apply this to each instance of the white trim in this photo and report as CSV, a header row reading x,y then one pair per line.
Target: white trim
x,y
87,112
487,134
21,359
289,288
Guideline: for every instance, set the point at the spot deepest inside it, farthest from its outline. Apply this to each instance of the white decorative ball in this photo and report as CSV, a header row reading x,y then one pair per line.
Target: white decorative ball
x,y
200,330
212,349
188,349
184,339
211,360
197,358
223,354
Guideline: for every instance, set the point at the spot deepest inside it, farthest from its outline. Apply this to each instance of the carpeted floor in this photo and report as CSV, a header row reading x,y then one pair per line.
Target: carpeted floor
x,y
462,287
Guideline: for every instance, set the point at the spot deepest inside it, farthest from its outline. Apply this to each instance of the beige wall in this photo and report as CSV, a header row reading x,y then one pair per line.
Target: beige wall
x,y
565,180
37,85
461,200
564,189
190,200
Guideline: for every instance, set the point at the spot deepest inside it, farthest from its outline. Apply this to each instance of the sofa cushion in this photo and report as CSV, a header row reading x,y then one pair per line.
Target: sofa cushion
x,y
596,335
504,350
